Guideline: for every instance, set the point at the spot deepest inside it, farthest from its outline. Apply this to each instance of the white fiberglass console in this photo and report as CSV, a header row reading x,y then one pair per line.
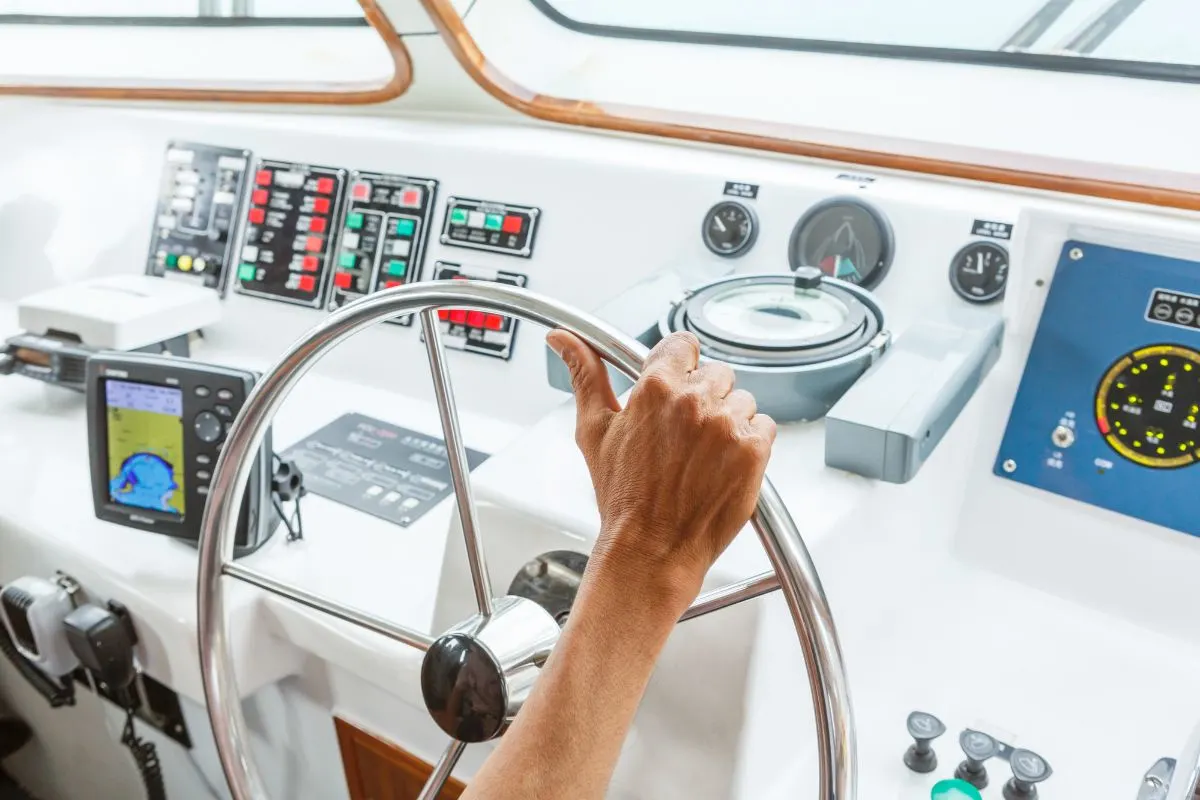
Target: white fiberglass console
x,y
1049,621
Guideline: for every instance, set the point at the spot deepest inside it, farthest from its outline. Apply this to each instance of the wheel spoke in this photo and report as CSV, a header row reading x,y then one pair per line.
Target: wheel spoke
x,y
732,594
441,772
460,470
362,619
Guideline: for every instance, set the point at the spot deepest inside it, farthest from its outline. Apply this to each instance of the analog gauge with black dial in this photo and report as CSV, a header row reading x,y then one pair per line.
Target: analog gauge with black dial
x,y
979,272
729,229
1148,405
845,238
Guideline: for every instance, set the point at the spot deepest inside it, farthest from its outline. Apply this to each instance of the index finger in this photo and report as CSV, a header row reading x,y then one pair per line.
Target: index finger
x,y
677,355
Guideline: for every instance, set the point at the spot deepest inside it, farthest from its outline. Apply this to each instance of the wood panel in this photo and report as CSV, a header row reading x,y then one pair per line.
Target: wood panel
x,y
379,770
716,130
399,83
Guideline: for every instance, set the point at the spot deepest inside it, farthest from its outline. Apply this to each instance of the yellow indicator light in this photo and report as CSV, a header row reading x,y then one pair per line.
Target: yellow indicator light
x,y
1194,410
1187,367
1191,417
1137,443
1120,386
1183,448
1161,450
1163,361
1115,405
1133,398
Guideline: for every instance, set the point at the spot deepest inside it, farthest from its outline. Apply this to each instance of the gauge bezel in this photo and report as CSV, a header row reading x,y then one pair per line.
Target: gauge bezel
x,y
1101,398
745,246
886,234
958,288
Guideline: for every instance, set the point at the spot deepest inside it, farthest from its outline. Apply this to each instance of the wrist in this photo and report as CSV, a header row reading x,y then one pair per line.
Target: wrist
x,y
665,582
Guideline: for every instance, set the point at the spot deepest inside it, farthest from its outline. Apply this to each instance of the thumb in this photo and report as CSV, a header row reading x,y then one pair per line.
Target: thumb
x,y
594,396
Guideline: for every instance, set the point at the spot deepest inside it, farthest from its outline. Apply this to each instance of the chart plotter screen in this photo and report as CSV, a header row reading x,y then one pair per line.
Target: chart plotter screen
x,y
145,446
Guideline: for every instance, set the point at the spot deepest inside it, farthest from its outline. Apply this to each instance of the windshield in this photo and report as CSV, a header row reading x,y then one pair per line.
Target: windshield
x,y
201,10
1140,38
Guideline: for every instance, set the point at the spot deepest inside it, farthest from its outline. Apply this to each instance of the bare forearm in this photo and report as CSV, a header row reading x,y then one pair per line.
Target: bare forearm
x,y
566,740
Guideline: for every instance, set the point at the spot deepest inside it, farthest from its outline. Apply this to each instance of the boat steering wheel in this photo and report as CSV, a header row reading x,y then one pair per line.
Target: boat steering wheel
x,y
508,640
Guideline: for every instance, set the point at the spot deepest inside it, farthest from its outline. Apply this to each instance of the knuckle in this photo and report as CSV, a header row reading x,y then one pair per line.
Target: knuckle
x,y
655,385
693,405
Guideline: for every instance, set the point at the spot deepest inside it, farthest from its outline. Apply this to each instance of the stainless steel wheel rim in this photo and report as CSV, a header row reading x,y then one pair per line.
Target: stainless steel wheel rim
x,y
793,570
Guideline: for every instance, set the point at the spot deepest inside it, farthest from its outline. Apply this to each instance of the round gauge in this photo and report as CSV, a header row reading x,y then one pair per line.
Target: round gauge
x,y
729,229
846,238
979,272
1148,404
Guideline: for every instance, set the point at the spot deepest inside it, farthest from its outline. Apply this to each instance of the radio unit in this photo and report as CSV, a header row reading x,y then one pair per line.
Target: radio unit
x,y
155,427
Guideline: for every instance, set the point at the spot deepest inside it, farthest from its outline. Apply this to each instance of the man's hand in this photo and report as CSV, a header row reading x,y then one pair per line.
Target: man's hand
x,y
677,472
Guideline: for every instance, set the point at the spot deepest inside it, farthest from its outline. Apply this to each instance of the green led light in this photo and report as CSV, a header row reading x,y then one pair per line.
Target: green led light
x,y
954,789
458,216
247,272
405,227
354,221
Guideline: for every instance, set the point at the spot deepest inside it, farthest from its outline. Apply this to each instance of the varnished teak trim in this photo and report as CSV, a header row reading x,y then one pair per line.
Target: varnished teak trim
x,y
403,775
399,83
655,122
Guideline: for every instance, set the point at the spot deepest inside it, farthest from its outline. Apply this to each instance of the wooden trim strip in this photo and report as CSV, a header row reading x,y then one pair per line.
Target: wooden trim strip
x,y
400,81
675,125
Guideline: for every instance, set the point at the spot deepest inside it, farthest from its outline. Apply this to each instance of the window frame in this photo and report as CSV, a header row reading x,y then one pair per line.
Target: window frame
x,y
1088,65
1035,174
373,17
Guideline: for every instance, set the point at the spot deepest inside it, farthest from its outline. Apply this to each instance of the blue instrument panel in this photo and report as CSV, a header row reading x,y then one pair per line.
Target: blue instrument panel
x,y
1107,409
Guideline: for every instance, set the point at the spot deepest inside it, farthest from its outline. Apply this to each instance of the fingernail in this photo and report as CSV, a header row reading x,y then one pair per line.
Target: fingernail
x,y
557,348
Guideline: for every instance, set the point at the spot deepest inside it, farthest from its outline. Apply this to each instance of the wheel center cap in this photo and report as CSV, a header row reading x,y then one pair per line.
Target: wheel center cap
x,y
477,675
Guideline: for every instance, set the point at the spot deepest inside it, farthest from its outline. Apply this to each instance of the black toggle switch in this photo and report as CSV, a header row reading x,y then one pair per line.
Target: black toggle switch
x,y
978,747
923,728
1029,769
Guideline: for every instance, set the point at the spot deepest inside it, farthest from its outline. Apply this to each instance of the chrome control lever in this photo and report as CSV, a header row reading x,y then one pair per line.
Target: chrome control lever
x,y
1172,779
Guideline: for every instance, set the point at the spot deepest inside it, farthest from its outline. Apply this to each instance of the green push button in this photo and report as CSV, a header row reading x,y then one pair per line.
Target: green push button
x,y
397,268
354,221
347,260
172,260
247,272
954,789
458,216
493,222
405,227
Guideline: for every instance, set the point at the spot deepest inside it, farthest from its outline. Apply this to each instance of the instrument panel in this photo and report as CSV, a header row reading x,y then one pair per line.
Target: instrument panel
x,y
1107,408
323,236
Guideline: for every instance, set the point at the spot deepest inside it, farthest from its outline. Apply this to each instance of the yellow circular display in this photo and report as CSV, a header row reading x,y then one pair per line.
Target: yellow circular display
x,y
1148,405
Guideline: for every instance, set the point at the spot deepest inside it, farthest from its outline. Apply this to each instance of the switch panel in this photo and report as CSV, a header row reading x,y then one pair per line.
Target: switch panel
x,y
477,331
383,236
200,201
290,232
494,227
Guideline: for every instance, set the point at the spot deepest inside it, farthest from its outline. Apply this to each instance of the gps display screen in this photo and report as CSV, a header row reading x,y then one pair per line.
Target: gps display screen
x,y
145,446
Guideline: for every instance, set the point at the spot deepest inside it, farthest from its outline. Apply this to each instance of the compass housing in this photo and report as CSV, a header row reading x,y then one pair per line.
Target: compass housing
x,y
796,342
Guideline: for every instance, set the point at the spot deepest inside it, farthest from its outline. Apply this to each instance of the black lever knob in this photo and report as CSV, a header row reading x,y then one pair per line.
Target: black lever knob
x,y
923,728
808,277
1029,769
978,747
